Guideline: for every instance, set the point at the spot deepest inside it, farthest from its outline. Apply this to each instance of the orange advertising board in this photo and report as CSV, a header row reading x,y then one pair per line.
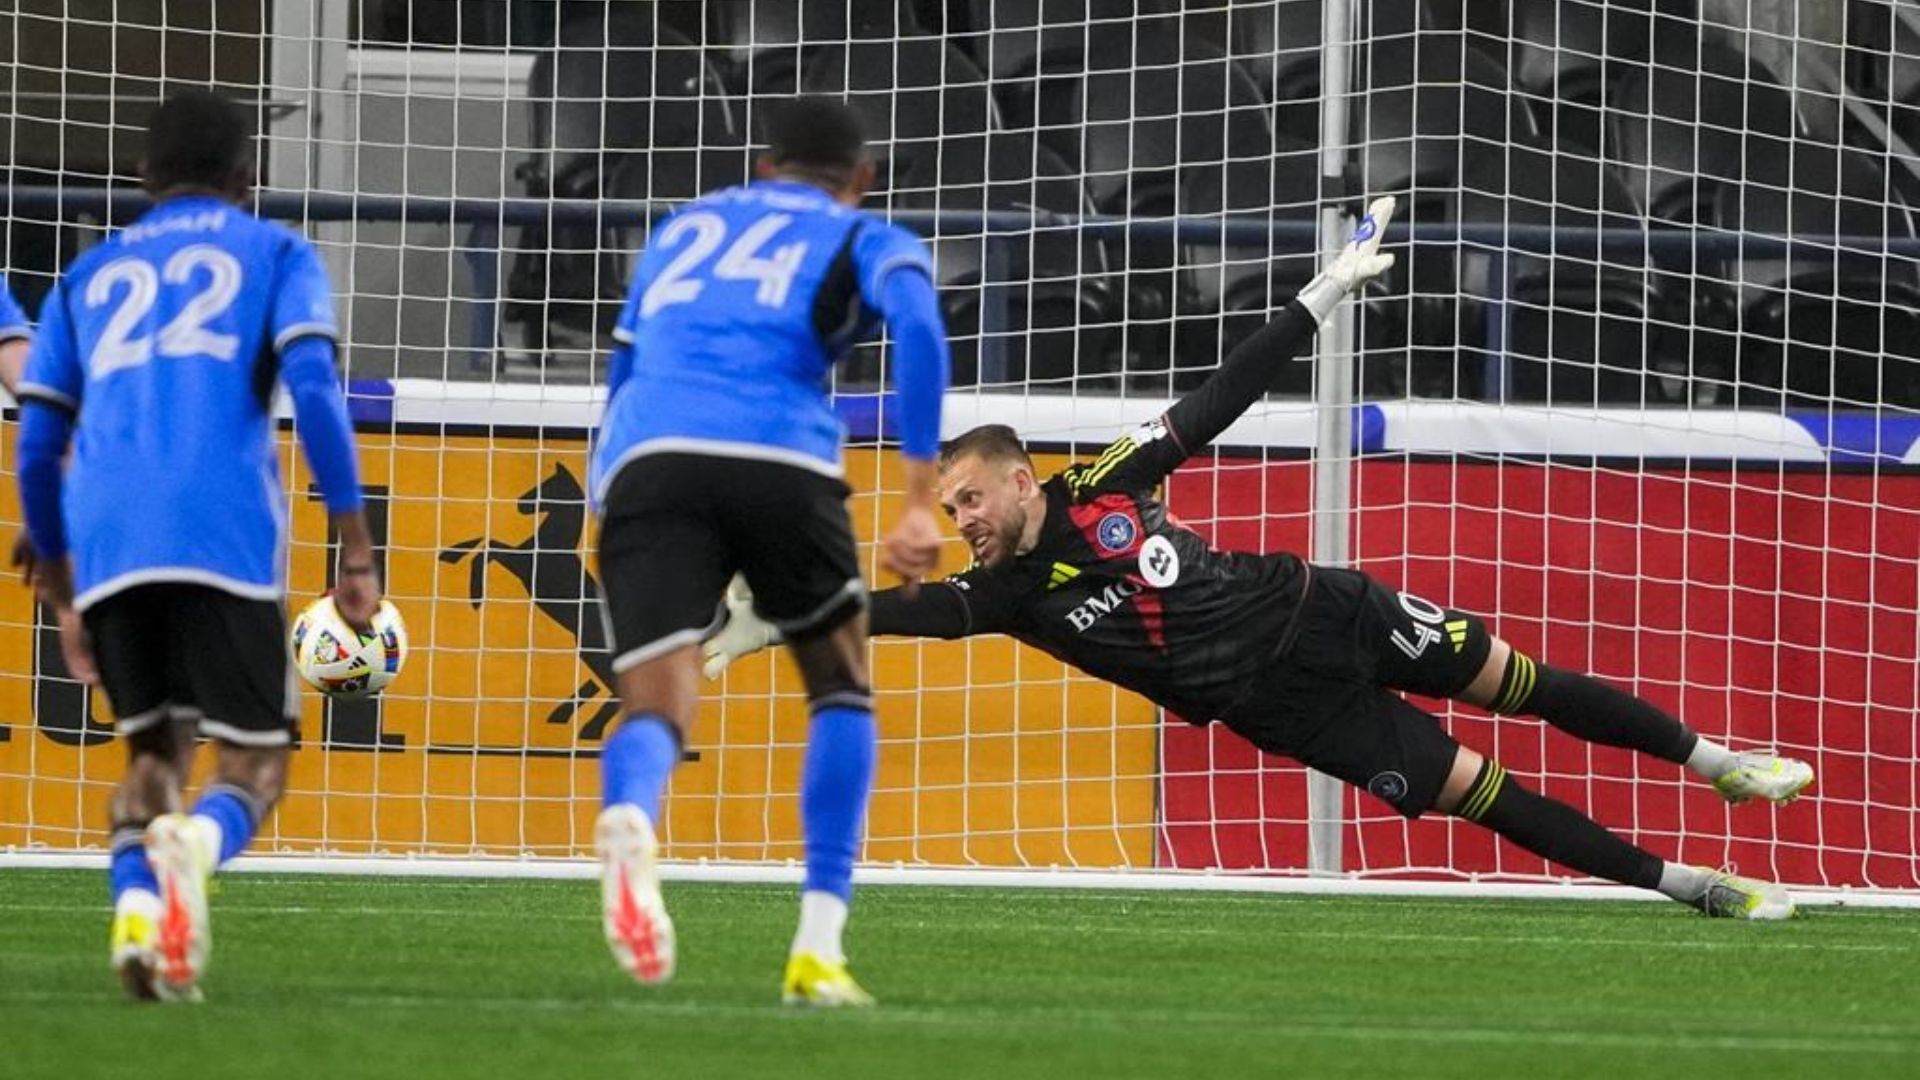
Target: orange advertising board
x,y
991,754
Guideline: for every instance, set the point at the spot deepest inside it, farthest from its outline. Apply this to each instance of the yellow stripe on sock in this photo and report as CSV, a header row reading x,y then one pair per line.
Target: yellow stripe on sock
x,y
1519,684
1483,793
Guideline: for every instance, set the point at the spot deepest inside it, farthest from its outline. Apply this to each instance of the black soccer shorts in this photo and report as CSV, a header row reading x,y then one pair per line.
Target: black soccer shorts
x,y
677,526
176,651
1329,701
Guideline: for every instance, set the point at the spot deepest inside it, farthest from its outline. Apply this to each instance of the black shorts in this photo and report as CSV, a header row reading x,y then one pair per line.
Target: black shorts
x,y
1329,701
174,651
676,527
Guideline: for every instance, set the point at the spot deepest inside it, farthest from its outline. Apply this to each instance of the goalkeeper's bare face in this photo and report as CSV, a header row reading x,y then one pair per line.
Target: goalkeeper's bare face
x,y
995,503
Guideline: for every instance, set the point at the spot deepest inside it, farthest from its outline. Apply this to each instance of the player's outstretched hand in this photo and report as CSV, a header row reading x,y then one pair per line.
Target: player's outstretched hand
x,y
911,549
356,594
1356,264
746,632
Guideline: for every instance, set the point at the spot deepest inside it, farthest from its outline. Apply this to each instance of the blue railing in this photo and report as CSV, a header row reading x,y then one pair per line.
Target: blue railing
x,y
487,217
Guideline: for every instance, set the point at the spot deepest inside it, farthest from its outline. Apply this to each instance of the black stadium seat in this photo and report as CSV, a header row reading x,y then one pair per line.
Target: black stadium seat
x,y
620,111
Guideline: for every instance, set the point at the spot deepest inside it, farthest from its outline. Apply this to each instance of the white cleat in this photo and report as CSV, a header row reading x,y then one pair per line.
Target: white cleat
x,y
184,937
1764,776
633,913
1730,896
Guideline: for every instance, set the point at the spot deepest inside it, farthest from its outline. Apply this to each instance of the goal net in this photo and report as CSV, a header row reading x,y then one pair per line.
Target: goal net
x,y
1641,390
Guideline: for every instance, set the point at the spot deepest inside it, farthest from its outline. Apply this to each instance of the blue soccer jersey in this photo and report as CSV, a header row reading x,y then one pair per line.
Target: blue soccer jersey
x,y
13,321
163,342
739,308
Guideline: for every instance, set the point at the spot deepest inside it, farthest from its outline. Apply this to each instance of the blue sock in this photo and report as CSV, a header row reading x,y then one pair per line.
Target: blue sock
x,y
636,761
833,795
233,810
128,868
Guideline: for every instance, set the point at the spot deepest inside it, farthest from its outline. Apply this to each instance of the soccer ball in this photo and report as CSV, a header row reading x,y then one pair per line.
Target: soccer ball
x,y
341,663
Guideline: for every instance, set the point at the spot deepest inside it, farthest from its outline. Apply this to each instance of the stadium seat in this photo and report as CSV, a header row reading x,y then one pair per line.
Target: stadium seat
x,y
620,111
1681,132
1836,322
1234,289
1279,44
1576,326
767,43
1441,129
1679,136
1009,38
925,105
1566,53
1057,323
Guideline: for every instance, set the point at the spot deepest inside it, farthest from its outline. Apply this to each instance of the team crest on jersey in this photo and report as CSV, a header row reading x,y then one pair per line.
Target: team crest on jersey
x,y
1116,532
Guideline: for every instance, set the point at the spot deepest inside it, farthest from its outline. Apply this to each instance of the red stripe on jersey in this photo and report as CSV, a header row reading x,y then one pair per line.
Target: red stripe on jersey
x,y
1092,520
1153,614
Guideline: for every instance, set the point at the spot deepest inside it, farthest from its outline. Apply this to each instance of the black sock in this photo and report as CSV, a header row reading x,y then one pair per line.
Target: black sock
x,y
1554,830
1586,708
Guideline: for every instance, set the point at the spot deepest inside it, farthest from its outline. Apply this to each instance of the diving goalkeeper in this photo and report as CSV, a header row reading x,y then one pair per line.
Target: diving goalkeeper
x,y
1301,660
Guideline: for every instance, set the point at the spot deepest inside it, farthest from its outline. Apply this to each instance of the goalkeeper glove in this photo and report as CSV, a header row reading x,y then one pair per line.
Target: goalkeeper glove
x,y
1358,263
745,633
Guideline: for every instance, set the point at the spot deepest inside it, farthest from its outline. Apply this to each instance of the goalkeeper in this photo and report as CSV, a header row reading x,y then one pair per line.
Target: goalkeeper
x,y
1301,660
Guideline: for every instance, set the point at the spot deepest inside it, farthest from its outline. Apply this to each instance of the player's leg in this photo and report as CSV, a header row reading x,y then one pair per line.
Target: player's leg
x,y
835,786
664,568
798,554
229,669
159,758
1483,792
1445,653
1515,684
129,650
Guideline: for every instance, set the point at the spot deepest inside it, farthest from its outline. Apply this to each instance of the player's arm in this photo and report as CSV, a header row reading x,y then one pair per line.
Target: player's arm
x,y
16,339
897,279
963,605
50,392
1140,459
304,332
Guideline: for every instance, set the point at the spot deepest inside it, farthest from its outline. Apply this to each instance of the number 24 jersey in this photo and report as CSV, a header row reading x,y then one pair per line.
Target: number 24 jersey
x,y
740,306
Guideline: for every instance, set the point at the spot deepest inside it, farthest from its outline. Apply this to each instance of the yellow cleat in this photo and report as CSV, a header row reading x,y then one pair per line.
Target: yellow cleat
x,y
1778,780
823,984
1730,896
131,951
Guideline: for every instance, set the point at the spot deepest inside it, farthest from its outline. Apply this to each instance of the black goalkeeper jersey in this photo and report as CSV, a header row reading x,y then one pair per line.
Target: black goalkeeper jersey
x,y
1117,586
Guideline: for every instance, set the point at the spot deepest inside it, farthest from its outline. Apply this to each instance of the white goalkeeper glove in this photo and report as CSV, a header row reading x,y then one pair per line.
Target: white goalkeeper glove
x,y
745,633
1358,263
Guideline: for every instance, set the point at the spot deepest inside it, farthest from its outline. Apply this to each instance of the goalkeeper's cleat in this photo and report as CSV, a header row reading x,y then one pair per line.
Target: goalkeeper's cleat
x,y
1764,776
184,936
1730,896
824,984
133,946
633,914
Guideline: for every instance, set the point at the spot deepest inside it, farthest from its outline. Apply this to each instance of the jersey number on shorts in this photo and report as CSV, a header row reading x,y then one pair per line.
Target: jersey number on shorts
x,y
1426,615
742,261
186,334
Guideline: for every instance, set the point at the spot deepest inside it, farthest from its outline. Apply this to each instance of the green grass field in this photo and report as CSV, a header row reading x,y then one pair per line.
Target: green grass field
x,y
339,977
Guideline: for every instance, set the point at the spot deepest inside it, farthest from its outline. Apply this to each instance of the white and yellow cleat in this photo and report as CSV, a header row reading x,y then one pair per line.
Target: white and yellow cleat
x,y
1764,776
633,913
184,937
132,945
823,984
1730,896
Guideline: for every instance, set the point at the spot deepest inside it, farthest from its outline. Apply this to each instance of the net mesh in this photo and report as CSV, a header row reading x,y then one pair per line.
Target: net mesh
x,y
1641,389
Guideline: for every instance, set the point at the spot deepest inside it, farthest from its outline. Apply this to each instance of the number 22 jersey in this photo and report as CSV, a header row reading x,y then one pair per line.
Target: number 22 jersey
x,y
163,342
